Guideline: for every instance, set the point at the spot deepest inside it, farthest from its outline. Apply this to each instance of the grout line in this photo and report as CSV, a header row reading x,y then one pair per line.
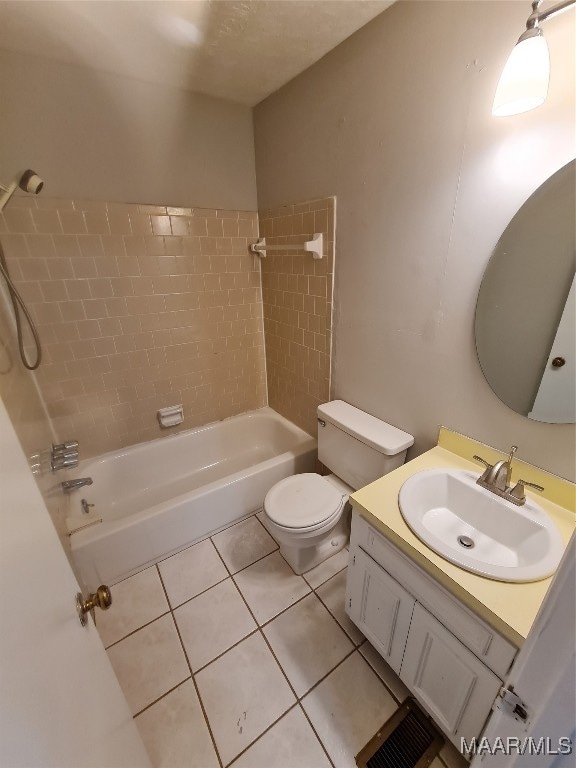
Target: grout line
x,y
394,696
258,629
203,592
218,552
276,549
340,627
329,577
357,645
251,564
147,624
174,608
316,733
220,556
334,668
247,747
216,658
167,693
298,698
206,720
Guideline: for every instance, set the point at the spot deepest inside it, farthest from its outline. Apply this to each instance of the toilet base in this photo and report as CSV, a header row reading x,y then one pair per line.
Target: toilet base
x,y
302,558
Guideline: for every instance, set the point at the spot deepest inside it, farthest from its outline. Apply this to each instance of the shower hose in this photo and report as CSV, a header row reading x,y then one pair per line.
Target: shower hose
x,y
17,300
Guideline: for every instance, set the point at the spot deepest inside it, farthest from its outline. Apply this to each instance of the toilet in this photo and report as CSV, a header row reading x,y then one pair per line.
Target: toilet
x,y
309,514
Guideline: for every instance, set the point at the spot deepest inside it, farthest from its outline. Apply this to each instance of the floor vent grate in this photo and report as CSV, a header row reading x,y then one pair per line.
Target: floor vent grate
x,y
407,740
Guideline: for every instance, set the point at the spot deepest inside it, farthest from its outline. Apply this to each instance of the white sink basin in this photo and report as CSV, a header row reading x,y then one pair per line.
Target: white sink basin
x,y
477,530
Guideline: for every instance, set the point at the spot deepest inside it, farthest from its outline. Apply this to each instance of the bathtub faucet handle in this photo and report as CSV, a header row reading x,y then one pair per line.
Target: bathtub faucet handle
x,y
64,455
64,461
71,445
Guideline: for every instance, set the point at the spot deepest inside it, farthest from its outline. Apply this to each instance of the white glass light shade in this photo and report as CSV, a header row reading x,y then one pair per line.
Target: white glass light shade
x,y
523,83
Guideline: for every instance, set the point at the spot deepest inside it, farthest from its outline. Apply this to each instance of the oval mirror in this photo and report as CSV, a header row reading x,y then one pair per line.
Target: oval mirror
x,y
526,311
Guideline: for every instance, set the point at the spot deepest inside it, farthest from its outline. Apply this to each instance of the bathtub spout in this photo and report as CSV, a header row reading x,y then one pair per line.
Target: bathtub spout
x,y
70,485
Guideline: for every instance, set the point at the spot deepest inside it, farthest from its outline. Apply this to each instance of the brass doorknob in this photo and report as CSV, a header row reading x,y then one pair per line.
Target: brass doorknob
x,y
102,598
558,362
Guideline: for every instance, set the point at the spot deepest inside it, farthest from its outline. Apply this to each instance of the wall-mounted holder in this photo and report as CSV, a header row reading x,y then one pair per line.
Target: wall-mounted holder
x,y
171,416
314,246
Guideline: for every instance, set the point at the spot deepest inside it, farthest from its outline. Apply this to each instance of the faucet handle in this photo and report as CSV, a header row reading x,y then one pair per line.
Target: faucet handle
x,y
71,445
518,491
489,467
64,461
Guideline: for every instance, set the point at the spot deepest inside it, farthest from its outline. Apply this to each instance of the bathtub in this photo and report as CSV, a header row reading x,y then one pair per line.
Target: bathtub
x,y
153,499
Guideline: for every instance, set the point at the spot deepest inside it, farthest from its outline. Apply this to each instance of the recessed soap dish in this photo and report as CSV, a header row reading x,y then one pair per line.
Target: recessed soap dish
x,y
171,416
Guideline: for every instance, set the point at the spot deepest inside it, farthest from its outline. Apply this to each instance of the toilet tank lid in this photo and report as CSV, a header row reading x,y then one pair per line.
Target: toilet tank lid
x,y
377,434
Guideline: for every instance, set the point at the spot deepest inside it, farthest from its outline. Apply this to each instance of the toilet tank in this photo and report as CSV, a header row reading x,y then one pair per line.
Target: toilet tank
x,y
358,447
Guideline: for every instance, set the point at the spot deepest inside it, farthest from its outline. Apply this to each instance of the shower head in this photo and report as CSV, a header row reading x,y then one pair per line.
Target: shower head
x,y
29,181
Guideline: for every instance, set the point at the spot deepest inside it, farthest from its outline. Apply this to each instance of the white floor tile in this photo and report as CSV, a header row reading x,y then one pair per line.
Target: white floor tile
x,y
243,692
244,543
191,571
149,663
213,622
333,594
262,517
307,642
269,586
174,731
347,708
135,602
327,569
384,672
291,743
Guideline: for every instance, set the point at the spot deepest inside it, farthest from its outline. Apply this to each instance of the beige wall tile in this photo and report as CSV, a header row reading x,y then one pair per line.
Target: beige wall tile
x,y
72,222
131,308
96,221
297,310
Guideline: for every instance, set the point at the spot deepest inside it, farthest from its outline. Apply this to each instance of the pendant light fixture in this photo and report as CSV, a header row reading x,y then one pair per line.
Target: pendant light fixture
x,y
523,84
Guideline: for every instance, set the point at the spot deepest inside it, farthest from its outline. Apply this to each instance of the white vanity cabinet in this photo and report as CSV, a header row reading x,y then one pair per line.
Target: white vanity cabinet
x,y
380,607
449,658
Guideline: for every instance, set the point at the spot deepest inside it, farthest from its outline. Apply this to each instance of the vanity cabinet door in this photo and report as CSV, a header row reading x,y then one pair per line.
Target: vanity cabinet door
x,y
379,606
452,684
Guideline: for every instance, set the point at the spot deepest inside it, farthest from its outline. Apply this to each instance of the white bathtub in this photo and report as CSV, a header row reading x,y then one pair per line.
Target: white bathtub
x,y
153,499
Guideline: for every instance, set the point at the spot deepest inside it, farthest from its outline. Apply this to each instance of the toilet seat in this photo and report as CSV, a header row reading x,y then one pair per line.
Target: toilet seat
x,y
303,502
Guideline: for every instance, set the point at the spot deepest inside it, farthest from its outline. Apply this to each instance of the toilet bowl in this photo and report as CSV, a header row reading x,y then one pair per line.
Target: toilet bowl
x,y
309,514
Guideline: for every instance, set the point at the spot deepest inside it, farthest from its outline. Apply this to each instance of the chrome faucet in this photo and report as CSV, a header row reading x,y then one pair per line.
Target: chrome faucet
x,y
70,485
496,478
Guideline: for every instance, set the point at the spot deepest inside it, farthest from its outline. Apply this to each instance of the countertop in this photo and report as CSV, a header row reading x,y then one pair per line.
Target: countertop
x,y
509,608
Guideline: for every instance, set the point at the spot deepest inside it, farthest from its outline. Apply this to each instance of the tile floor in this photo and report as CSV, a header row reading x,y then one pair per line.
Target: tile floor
x,y
226,657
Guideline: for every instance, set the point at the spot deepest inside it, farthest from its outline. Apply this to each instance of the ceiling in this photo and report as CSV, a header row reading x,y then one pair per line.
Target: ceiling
x,y
240,50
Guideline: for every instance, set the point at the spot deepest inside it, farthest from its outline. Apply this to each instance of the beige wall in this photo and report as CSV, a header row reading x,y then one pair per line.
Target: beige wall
x,y
297,303
96,136
396,123
138,308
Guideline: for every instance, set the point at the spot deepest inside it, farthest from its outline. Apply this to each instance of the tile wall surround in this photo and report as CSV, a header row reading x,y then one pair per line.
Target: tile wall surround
x,y
19,392
138,307
297,302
